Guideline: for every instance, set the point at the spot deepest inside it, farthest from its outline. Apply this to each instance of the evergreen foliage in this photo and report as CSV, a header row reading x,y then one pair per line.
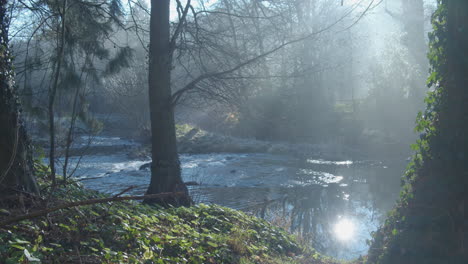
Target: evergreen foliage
x,y
90,53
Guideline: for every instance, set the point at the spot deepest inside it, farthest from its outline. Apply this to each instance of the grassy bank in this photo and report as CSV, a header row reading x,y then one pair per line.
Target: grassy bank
x,y
130,232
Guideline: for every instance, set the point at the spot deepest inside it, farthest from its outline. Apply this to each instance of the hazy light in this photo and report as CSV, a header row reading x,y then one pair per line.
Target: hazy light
x,y
353,2
328,162
195,4
344,229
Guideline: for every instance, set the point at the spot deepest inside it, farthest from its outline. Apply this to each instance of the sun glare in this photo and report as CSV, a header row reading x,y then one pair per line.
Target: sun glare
x,y
344,229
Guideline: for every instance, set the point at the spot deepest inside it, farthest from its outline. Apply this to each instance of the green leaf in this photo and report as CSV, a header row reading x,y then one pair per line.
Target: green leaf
x,y
18,247
65,226
212,244
5,212
55,244
30,257
148,254
19,241
94,249
156,238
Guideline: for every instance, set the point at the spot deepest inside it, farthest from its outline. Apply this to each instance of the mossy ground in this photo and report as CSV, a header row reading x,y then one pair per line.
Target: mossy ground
x,y
131,232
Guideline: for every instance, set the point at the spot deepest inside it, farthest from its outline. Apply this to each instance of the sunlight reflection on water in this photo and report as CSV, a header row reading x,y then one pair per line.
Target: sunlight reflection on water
x,y
328,162
344,229
335,203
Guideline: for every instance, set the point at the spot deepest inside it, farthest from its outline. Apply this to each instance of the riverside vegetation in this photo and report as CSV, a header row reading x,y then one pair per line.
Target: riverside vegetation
x,y
131,232
427,225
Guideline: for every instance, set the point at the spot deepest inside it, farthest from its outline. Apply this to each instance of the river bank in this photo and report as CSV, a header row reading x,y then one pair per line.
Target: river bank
x,y
192,140
308,196
130,232
308,189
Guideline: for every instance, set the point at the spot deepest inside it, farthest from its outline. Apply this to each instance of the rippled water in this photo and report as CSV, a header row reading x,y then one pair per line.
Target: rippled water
x,y
334,205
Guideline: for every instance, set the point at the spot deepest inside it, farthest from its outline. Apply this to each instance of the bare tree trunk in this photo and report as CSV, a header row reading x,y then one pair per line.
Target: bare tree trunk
x,y
16,165
71,129
53,92
165,168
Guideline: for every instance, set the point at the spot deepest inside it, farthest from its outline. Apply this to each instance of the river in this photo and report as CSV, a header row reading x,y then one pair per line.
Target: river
x,y
332,204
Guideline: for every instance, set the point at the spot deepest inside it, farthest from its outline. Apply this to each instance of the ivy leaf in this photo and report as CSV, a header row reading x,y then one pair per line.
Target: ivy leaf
x,y
30,257
19,241
212,244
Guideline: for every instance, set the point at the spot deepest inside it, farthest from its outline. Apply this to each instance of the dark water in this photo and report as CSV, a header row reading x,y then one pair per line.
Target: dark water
x,y
334,205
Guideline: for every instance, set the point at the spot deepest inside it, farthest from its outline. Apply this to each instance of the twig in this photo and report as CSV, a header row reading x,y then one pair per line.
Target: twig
x,y
215,75
86,202
90,178
124,191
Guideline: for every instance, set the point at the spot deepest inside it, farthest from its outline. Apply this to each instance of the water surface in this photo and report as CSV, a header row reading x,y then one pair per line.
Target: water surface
x,y
334,205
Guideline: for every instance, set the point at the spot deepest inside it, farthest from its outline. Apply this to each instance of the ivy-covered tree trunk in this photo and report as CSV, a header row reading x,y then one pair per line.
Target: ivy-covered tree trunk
x,y
16,164
165,167
429,224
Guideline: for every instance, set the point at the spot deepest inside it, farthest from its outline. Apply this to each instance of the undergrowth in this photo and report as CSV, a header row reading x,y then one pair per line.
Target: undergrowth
x,y
131,232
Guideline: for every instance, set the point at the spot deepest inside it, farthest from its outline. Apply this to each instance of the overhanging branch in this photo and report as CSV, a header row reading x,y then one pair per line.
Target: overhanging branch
x,y
193,84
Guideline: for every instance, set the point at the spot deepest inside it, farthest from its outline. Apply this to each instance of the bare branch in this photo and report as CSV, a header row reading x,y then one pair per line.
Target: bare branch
x,y
193,84
180,25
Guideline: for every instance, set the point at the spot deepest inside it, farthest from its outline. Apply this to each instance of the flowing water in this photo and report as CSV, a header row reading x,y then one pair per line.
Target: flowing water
x,y
334,205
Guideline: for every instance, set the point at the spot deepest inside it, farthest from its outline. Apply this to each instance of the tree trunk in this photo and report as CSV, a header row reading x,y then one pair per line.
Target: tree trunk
x,y
53,92
165,168
16,164
429,224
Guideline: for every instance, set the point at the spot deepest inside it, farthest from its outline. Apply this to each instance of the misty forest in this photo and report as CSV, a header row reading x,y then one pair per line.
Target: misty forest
x,y
234,131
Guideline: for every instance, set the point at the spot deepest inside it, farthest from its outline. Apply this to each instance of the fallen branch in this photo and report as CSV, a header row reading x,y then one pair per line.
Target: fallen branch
x,y
87,202
124,191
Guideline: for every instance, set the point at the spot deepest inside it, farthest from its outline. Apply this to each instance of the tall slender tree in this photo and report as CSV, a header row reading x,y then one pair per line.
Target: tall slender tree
x,y
16,164
165,167
53,88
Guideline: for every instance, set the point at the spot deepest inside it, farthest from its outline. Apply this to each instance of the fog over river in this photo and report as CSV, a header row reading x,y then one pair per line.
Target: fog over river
x,y
333,204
